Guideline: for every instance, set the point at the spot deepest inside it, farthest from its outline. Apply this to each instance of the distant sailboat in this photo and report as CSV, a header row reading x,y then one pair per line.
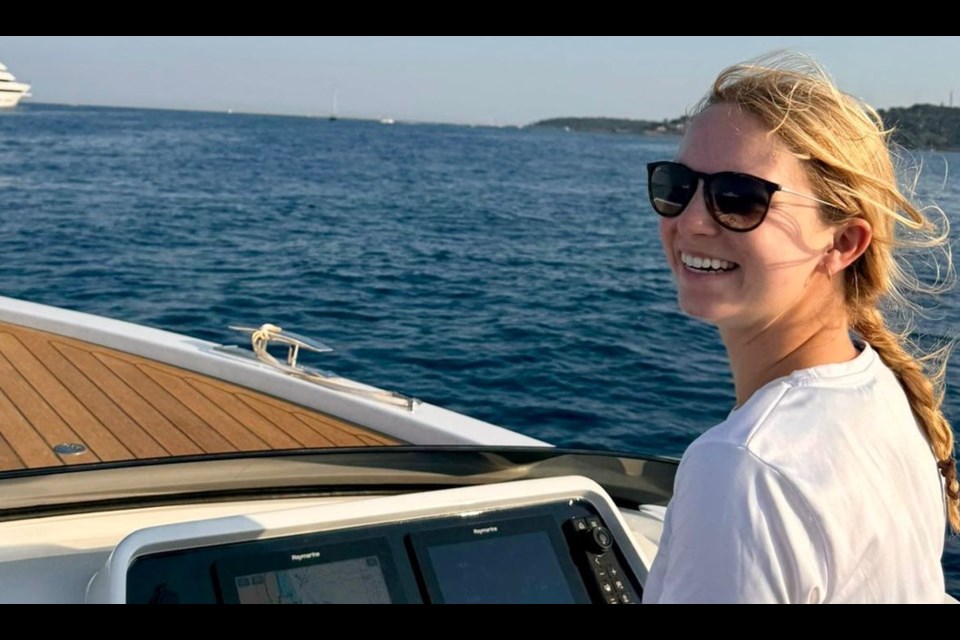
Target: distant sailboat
x,y
333,113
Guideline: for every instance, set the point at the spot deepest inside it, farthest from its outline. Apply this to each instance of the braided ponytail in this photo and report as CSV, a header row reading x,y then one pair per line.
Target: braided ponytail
x,y
925,396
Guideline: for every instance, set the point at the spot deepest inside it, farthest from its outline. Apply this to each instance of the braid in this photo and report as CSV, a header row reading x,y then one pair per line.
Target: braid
x,y
925,395
850,163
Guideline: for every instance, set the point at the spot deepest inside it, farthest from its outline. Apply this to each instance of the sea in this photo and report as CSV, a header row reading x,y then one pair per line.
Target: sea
x,y
512,274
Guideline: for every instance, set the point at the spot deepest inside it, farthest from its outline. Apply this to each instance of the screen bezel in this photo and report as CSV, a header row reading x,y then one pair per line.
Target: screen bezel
x,y
226,570
420,544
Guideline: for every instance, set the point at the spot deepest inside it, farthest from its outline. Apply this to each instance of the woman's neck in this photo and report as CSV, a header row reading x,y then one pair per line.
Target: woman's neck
x,y
758,357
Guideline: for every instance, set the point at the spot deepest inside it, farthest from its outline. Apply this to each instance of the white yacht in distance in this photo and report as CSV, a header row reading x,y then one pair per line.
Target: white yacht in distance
x,y
10,90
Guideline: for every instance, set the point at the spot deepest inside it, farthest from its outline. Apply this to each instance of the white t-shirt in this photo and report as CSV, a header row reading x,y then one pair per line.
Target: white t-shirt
x,y
820,488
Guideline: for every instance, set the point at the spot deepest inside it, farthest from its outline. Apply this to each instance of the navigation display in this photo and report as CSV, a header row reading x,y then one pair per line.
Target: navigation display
x,y
521,568
524,561
361,572
356,581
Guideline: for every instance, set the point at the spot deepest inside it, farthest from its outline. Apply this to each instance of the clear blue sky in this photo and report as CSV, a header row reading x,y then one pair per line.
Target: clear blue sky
x,y
463,79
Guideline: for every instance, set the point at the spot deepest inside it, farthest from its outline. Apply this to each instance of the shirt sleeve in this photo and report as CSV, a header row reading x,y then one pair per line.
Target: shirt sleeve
x,y
736,531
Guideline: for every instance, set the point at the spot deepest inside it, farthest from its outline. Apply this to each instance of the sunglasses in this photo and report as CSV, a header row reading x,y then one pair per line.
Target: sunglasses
x,y
737,201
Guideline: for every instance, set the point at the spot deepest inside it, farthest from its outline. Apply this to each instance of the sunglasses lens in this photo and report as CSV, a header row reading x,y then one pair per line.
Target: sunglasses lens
x,y
741,202
671,188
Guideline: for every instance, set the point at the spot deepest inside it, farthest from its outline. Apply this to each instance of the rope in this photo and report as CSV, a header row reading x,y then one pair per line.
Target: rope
x,y
262,337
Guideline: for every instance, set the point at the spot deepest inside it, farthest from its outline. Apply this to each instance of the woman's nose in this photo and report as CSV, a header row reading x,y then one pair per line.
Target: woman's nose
x,y
695,218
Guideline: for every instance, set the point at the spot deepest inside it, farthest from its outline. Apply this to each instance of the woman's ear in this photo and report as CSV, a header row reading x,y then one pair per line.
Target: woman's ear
x,y
849,243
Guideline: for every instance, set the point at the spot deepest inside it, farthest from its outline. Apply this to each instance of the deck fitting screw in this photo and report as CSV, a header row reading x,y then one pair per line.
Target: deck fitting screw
x,y
69,448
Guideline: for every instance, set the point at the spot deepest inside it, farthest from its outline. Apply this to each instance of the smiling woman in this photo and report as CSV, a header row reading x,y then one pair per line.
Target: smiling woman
x,y
833,477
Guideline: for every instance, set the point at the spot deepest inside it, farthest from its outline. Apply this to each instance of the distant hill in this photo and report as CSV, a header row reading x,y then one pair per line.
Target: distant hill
x,y
614,125
922,126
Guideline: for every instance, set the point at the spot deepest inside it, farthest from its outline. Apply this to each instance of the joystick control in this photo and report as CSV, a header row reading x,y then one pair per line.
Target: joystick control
x,y
596,557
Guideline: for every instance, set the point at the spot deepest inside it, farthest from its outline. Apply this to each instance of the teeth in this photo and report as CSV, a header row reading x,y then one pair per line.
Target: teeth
x,y
700,262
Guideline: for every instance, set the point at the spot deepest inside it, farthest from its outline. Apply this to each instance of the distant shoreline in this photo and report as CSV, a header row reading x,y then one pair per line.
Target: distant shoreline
x,y
674,127
921,127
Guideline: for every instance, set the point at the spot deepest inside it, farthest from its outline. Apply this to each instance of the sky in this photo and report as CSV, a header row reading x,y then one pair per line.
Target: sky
x,y
488,80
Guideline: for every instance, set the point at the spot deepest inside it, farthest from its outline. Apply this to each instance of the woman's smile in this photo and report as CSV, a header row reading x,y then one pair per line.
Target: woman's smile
x,y
744,279
706,264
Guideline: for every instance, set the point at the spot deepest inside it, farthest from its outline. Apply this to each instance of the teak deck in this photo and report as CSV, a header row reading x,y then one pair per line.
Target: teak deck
x,y
61,391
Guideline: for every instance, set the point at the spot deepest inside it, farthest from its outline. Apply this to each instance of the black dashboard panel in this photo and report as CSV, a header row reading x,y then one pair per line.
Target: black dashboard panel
x,y
560,552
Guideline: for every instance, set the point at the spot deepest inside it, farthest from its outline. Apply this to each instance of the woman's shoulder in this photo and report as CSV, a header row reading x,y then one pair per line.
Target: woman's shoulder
x,y
823,408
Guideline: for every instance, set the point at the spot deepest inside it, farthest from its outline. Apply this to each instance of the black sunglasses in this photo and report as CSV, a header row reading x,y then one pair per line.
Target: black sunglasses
x,y
737,201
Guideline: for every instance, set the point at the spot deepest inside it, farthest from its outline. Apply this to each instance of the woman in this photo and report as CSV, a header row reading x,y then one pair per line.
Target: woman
x,y
833,477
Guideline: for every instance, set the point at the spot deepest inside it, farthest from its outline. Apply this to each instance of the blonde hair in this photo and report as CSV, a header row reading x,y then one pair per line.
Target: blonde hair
x,y
848,156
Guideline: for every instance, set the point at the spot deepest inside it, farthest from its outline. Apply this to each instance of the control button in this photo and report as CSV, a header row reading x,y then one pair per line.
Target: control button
x,y
600,539
625,598
602,574
613,571
580,524
619,586
607,588
613,600
593,522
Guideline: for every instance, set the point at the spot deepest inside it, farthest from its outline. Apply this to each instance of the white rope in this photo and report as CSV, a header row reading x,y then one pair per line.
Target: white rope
x,y
262,337
259,340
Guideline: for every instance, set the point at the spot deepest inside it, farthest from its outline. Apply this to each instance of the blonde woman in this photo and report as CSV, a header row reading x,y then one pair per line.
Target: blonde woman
x,y
833,479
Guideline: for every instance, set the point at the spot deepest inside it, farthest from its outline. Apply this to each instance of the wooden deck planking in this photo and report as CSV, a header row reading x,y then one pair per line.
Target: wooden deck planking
x,y
55,389
173,410
38,414
287,421
228,401
101,443
29,445
132,403
116,422
8,457
372,440
325,422
239,436
338,437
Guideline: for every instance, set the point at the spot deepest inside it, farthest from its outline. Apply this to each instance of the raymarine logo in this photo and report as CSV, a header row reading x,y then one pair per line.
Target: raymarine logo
x,y
297,557
484,531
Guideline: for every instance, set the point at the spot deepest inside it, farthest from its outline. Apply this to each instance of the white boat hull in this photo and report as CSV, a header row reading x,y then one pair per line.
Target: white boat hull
x,y
11,91
10,98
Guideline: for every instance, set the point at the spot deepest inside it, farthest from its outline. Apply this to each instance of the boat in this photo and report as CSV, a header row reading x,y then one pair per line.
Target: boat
x,y
387,121
11,91
143,466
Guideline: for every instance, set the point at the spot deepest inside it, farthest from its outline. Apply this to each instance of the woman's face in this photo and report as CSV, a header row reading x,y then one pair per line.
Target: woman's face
x,y
773,268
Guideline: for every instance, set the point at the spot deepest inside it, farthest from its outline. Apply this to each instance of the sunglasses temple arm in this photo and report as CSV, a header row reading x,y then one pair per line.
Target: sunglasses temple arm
x,y
808,197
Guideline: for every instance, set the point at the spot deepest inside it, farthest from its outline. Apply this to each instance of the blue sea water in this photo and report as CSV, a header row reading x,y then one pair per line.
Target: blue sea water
x,y
513,275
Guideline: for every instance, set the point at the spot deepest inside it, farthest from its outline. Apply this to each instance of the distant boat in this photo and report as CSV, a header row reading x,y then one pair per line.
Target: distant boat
x,y
333,112
10,90
387,121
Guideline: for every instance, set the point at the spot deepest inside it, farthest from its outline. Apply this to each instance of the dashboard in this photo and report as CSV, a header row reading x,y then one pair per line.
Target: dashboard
x,y
540,541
